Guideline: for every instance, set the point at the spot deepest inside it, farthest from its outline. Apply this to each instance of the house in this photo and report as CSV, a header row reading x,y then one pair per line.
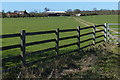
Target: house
x,y
11,15
22,12
55,13
17,14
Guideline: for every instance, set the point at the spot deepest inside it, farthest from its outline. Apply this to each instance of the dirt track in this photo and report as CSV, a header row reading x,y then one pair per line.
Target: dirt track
x,y
86,23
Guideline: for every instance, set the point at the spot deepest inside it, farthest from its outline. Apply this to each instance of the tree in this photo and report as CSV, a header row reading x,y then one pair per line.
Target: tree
x,y
94,9
9,12
3,14
76,11
15,11
3,11
35,11
69,10
47,9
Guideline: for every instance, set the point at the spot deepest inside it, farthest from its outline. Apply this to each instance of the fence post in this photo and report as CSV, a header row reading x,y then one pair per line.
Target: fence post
x,y
78,33
94,34
105,32
23,47
108,29
57,41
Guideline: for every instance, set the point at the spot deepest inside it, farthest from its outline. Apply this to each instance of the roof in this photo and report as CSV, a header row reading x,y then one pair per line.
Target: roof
x,y
55,12
12,13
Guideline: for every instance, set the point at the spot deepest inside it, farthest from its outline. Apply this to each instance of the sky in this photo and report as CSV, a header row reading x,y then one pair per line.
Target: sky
x,y
60,0
57,6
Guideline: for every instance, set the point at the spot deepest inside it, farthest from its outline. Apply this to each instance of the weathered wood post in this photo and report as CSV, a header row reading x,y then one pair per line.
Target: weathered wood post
x,y
105,32
57,52
94,34
57,41
78,37
23,47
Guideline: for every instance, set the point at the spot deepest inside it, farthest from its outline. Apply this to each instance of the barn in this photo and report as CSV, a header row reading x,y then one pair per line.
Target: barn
x,y
56,13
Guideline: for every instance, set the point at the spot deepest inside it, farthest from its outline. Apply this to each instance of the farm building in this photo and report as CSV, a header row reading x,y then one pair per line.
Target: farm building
x,y
17,14
78,14
55,13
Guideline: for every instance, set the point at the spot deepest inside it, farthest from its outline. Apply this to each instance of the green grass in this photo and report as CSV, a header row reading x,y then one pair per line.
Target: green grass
x,y
101,19
15,25
98,62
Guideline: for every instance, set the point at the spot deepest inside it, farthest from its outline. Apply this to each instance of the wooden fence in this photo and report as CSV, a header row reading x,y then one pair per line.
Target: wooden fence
x,y
113,35
23,44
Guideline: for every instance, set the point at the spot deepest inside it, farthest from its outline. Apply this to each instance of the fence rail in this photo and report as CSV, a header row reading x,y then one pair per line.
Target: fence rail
x,y
23,44
113,35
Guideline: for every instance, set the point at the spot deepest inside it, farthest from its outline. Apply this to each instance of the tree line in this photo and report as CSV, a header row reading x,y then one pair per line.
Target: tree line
x,y
93,12
69,12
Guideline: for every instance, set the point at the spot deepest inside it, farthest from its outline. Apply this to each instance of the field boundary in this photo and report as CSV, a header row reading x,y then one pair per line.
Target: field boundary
x,y
115,37
23,44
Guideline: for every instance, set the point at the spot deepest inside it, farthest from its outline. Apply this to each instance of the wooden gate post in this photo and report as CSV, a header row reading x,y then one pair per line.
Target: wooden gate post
x,y
78,37
94,34
23,47
105,32
57,41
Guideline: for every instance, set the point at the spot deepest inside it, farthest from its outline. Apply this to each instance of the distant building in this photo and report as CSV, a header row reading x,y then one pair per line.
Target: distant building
x,y
17,14
22,12
55,13
78,14
11,15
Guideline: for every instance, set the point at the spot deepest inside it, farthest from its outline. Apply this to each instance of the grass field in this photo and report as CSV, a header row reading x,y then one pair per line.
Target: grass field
x,y
15,25
101,19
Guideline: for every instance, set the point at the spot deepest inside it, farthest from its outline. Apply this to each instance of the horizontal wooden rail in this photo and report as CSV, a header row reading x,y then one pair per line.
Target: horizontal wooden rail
x,y
113,32
10,47
10,35
86,34
86,46
99,36
114,37
86,28
12,57
99,41
40,51
63,46
23,44
113,23
99,31
70,37
67,30
51,57
99,25
28,54
40,42
10,68
41,32
86,40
